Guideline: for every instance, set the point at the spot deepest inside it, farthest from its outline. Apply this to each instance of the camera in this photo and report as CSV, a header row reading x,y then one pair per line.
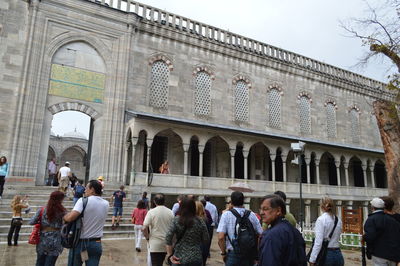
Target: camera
x,y
298,146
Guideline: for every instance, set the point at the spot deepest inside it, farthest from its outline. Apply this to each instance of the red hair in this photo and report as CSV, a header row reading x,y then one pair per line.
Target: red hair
x,y
55,209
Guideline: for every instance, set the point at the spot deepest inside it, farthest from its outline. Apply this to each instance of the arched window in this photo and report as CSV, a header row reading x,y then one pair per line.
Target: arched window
x,y
331,120
241,101
202,105
159,84
275,108
355,124
304,113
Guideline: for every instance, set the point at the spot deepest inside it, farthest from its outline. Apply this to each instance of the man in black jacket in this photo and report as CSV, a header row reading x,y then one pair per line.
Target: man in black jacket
x,y
382,234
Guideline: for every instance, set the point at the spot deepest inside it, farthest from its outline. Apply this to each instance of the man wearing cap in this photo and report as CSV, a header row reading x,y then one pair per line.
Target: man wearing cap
x,y
63,177
382,234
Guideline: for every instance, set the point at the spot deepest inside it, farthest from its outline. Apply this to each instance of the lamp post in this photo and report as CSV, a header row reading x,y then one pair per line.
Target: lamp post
x,y
298,150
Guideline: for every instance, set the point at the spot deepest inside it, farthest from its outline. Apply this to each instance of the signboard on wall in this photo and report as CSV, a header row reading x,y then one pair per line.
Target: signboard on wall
x,y
77,83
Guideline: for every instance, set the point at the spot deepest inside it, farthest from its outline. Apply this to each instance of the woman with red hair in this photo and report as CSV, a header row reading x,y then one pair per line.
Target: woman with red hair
x,y
49,247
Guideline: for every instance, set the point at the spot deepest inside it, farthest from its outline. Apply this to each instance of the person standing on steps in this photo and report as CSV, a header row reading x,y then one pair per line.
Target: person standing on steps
x,y
4,167
63,177
119,196
52,171
17,204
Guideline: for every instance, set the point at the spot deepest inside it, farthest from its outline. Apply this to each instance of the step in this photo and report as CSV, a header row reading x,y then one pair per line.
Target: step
x,y
8,214
124,220
23,237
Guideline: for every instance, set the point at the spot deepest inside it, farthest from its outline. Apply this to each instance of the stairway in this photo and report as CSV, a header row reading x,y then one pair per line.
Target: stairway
x,y
38,197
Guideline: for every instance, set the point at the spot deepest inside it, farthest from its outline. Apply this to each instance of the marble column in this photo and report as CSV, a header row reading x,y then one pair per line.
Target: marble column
x,y
339,209
149,142
371,170
273,157
232,152
337,164
126,163
349,204
308,161
346,173
284,157
317,170
186,159
365,210
364,168
133,172
245,155
307,203
201,150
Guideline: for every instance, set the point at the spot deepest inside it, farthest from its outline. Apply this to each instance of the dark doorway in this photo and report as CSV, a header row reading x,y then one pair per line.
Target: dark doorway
x,y
159,151
194,157
239,162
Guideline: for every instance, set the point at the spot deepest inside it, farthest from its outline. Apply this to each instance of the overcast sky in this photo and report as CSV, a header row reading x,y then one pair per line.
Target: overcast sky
x,y
308,27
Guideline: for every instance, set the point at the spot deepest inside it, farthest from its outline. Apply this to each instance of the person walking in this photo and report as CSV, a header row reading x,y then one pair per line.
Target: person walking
x,y
155,227
288,216
118,196
50,217
63,177
323,227
17,204
52,171
4,168
145,200
203,214
93,221
228,233
138,216
282,244
382,234
191,232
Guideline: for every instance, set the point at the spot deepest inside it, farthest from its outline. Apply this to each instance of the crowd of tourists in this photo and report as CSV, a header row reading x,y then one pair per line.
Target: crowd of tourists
x,y
183,235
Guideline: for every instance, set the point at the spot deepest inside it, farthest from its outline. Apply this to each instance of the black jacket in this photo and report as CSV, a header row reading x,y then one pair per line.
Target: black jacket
x,y
382,234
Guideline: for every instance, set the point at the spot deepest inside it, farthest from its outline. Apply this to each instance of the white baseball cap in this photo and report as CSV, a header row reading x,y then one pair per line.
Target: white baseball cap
x,y
377,203
67,163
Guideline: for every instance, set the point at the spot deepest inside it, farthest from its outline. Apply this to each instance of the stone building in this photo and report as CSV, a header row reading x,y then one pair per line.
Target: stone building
x,y
158,86
71,147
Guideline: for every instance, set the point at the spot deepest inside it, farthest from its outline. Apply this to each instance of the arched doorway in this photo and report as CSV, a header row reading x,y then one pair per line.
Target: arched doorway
x,y
356,171
216,158
327,167
380,174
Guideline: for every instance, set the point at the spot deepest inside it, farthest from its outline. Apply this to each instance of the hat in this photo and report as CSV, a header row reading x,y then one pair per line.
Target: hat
x,y
100,178
67,163
377,203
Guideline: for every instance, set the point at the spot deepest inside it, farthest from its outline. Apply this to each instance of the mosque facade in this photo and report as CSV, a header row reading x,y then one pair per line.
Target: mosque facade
x,y
220,107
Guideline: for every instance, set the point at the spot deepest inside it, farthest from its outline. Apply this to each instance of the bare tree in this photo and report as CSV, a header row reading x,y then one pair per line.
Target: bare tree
x,y
380,31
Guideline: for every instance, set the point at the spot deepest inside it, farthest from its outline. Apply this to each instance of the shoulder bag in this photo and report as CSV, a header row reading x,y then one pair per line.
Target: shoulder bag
x,y
34,238
71,232
324,247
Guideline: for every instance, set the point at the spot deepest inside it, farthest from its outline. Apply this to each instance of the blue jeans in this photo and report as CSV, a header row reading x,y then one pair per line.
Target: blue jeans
x,y
117,211
334,258
45,260
93,248
232,259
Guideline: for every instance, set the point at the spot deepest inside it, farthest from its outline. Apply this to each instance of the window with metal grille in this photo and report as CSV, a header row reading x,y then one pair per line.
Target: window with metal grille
x,y
355,125
331,120
241,101
275,108
202,104
304,113
159,84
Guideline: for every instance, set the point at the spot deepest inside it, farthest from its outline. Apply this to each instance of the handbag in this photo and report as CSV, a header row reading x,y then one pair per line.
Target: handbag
x,y
324,247
71,232
34,238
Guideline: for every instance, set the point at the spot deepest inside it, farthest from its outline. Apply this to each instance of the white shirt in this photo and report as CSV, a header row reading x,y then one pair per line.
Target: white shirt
x,y
228,222
175,208
158,220
213,211
94,216
323,228
52,167
64,171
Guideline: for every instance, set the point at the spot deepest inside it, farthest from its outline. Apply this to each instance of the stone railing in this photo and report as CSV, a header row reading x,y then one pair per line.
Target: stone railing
x,y
223,37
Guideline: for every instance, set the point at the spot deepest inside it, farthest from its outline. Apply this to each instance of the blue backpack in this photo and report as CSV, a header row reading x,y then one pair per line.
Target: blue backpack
x,y
79,191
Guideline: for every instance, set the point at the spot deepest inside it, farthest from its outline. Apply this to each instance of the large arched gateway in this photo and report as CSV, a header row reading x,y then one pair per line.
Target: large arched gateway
x,y
158,86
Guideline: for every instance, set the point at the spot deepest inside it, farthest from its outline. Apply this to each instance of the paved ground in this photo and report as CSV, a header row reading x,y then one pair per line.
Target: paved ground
x,y
119,252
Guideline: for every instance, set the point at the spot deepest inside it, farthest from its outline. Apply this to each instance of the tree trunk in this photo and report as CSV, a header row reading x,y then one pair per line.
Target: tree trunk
x,y
389,127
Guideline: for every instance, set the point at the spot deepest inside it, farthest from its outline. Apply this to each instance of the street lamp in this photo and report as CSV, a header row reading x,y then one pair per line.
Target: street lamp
x,y
298,150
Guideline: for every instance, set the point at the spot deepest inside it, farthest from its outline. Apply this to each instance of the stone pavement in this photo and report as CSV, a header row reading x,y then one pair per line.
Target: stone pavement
x,y
120,252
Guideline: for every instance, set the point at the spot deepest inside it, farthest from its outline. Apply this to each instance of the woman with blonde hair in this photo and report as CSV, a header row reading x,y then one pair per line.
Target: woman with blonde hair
x,y
328,224
17,204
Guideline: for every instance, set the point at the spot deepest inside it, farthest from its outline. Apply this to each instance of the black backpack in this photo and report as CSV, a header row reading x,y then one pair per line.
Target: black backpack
x,y
245,241
71,232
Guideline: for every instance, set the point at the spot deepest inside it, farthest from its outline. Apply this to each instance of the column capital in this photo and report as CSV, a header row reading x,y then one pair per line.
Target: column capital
x,y
364,167
316,161
338,203
346,165
185,147
232,151
288,201
307,201
134,140
308,160
245,153
371,168
149,142
337,164
201,148
272,156
127,145
284,157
